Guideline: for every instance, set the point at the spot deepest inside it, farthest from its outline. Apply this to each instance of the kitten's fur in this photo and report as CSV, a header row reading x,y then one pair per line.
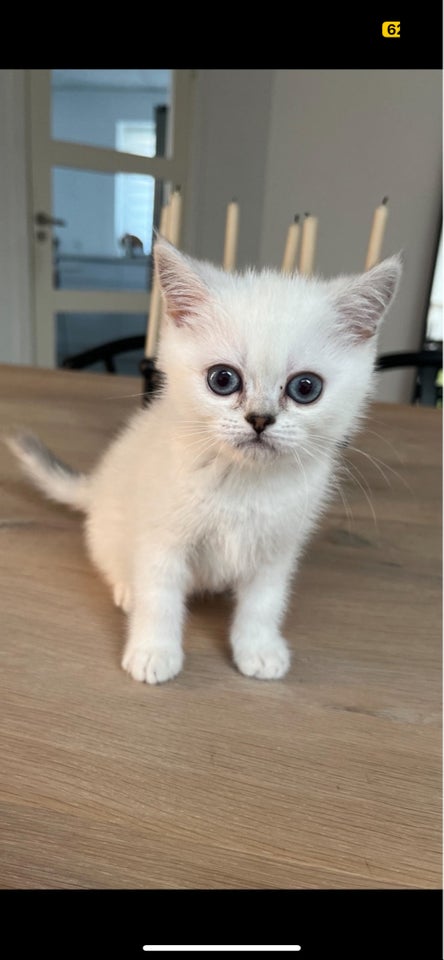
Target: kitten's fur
x,y
189,497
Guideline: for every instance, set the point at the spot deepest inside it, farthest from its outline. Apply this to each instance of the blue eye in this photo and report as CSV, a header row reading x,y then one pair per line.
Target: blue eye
x,y
223,380
304,388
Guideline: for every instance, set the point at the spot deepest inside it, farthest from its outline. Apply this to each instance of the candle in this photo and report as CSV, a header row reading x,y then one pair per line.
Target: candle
x,y
152,333
231,232
291,247
164,220
175,217
308,244
377,234
155,315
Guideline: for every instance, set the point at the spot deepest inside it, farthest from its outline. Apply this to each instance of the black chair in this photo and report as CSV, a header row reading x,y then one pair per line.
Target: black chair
x,y
428,364
106,354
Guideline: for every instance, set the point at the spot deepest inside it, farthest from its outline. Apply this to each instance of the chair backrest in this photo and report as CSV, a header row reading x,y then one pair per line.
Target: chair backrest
x,y
428,363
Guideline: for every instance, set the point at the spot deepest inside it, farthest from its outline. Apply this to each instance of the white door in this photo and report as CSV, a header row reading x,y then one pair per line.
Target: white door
x,y
101,165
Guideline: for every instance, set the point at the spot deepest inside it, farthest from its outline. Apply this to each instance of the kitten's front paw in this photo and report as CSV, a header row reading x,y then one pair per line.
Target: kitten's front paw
x,y
153,664
267,660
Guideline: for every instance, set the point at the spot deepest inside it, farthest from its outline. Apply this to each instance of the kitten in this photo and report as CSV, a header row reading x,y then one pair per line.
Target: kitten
x,y
220,481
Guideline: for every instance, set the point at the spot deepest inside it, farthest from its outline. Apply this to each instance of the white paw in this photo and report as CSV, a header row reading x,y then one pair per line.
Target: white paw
x,y
153,665
266,661
122,597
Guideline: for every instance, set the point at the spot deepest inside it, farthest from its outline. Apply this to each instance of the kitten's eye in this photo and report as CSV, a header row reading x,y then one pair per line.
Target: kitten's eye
x,y
223,380
304,388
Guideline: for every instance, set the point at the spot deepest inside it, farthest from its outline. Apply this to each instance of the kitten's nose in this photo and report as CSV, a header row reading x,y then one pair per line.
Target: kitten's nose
x,y
260,421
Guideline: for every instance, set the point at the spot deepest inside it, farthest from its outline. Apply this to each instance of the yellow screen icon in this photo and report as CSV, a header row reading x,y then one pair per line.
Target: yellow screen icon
x,y
391,29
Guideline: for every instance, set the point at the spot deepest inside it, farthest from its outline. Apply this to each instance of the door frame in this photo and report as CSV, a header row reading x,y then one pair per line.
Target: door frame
x,y
45,153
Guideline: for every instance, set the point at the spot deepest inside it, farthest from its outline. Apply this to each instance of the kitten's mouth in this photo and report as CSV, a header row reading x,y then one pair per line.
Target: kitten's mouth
x,y
257,445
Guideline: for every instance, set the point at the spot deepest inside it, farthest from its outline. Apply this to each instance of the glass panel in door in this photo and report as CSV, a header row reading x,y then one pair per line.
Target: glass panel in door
x,y
103,233
119,109
102,241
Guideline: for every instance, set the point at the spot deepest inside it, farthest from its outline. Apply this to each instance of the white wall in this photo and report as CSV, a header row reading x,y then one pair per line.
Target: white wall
x,y
232,120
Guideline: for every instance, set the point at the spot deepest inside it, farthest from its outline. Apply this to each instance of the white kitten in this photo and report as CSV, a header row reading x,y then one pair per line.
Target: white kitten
x,y
220,480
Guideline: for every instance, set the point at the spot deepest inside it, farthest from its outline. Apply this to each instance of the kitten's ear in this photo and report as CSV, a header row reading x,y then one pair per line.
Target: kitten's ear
x,y
362,300
184,292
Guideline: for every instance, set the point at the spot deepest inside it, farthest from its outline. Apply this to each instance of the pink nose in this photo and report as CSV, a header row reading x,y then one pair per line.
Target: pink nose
x,y
260,421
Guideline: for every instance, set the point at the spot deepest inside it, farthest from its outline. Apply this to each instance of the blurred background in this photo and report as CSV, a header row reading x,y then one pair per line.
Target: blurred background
x,y
88,157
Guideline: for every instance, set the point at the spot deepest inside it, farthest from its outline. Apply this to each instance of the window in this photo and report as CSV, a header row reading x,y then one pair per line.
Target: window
x,y
435,314
134,193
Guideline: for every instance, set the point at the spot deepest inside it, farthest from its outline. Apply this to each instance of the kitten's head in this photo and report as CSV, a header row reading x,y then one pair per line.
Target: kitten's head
x,y
265,364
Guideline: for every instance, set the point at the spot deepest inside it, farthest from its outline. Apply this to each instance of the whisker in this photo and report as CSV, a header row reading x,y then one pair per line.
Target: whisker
x,y
205,449
389,444
301,465
337,485
366,495
360,473
347,508
126,396
376,463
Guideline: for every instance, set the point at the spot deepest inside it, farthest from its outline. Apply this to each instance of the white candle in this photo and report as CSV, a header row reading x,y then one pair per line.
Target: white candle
x,y
308,244
175,217
377,235
164,221
291,247
152,334
231,232
155,315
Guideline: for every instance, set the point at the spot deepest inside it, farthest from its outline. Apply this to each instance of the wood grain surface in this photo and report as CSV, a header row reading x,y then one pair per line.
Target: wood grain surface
x,y
330,778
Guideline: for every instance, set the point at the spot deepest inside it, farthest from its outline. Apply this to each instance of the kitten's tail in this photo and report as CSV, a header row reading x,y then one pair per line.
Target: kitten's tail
x,y
48,473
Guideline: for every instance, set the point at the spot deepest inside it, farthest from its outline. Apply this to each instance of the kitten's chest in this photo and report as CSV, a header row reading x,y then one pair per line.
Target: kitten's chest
x,y
239,526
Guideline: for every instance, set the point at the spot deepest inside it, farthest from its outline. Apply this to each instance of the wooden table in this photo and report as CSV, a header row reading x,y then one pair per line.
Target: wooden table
x,y
327,779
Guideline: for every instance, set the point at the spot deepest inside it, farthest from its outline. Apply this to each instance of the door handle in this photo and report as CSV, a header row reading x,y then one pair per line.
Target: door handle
x,y
44,220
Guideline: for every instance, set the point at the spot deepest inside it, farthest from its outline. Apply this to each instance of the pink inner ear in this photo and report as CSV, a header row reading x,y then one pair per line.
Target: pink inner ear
x,y
183,291
183,305
362,301
360,321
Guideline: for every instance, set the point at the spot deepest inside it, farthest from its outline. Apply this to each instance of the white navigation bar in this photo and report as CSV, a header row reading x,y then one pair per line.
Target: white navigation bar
x,y
243,948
